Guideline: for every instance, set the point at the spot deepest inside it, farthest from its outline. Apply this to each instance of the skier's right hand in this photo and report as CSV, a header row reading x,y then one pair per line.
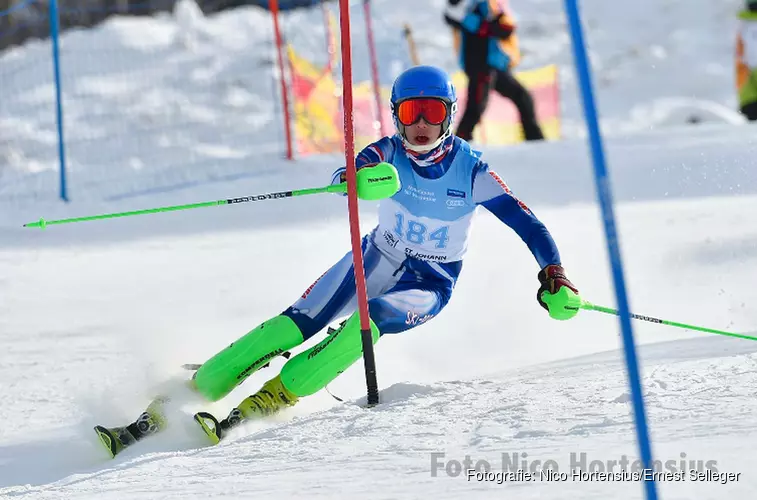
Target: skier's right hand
x,y
340,176
557,294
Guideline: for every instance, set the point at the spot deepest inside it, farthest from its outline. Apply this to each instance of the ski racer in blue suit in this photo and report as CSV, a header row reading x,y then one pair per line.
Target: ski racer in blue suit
x,y
412,259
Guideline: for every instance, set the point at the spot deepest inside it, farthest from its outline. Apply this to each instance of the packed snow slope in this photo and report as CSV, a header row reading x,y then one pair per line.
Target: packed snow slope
x,y
96,316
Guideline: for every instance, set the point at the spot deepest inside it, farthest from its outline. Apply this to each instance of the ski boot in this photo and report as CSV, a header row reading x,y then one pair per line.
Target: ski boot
x,y
269,400
116,439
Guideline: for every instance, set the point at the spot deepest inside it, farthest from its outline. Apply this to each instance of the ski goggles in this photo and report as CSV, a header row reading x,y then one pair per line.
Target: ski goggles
x,y
434,111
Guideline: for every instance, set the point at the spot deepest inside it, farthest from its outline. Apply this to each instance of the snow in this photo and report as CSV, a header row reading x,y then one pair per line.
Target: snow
x,y
97,317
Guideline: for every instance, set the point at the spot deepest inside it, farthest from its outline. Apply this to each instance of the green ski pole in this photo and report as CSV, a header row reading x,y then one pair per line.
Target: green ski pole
x,y
373,183
593,307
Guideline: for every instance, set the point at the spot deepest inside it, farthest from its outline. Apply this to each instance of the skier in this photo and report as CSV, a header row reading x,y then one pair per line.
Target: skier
x,y
746,60
412,260
488,48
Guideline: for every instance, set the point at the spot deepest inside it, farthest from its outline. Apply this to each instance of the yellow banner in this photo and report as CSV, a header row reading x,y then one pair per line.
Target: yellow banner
x,y
319,121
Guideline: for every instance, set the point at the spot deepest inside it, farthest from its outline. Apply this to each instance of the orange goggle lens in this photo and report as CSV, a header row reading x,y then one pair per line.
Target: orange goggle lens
x,y
433,111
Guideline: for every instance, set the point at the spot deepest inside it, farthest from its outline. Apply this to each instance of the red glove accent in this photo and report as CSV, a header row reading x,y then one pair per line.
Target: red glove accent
x,y
552,278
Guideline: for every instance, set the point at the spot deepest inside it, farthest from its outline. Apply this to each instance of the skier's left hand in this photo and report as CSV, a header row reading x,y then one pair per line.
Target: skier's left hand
x,y
557,294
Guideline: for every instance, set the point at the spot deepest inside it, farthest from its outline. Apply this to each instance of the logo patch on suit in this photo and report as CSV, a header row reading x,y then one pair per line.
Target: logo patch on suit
x,y
455,193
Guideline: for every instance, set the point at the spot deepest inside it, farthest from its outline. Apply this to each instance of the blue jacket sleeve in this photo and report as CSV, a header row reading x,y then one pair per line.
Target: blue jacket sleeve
x,y
491,192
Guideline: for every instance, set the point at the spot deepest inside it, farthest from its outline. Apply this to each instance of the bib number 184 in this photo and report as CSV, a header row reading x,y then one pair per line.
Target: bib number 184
x,y
418,233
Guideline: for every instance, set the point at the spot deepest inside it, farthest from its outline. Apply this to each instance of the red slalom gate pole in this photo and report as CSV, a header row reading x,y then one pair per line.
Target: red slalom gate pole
x,y
273,5
352,204
374,64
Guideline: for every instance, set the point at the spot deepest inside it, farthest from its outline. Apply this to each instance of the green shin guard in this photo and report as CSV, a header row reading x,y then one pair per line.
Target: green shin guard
x,y
223,372
311,370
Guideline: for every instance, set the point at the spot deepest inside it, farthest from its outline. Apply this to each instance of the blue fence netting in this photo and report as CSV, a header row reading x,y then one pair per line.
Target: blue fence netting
x,y
56,110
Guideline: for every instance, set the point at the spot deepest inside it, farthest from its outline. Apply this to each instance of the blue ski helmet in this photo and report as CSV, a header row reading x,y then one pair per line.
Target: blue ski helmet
x,y
419,82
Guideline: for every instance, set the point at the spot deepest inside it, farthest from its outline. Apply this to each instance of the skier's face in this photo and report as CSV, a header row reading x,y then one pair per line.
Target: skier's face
x,y
422,132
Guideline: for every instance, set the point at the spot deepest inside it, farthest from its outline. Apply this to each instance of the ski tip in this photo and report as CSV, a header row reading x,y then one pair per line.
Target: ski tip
x,y
214,433
107,439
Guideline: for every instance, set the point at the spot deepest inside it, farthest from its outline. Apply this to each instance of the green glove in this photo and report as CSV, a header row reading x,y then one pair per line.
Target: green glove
x,y
374,182
377,182
557,294
562,305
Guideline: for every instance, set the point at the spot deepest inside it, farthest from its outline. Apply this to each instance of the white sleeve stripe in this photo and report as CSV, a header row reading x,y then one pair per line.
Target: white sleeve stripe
x,y
487,185
378,152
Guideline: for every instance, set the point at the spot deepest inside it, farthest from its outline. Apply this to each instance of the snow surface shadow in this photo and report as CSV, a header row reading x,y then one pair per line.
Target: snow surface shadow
x,y
80,456
48,460
75,454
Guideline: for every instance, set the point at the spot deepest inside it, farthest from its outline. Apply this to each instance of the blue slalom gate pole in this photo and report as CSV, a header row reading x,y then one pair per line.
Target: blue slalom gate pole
x,y
604,192
55,36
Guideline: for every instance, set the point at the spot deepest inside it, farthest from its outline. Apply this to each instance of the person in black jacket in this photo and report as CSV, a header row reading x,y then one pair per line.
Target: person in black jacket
x,y
488,51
